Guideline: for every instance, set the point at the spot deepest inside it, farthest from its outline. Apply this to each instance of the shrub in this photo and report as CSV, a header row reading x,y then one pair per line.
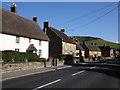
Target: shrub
x,y
100,57
67,58
62,57
10,56
42,60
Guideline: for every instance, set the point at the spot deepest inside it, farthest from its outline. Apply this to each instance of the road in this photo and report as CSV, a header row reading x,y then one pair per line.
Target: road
x,y
74,77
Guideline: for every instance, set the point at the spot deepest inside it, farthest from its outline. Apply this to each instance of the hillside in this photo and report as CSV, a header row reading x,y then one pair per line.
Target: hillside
x,y
98,41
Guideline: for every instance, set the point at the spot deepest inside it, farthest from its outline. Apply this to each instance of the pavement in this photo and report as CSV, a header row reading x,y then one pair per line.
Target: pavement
x,y
72,77
16,74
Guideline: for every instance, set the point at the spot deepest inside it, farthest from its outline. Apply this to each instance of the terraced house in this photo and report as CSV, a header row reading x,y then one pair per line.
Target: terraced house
x,y
60,43
21,34
91,50
79,50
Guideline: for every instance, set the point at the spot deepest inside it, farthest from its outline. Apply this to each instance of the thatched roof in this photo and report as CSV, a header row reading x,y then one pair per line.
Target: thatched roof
x,y
62,35
31,48
16,25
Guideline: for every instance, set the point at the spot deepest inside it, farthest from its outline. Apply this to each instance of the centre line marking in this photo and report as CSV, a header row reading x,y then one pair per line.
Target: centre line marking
x,y
93,67
47,84
78,72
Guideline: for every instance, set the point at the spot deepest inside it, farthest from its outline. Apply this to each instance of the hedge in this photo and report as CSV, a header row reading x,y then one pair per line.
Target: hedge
x,y
10,56
68,59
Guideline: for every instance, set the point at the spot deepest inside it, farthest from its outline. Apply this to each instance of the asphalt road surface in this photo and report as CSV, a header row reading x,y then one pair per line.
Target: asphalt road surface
x,y
74,77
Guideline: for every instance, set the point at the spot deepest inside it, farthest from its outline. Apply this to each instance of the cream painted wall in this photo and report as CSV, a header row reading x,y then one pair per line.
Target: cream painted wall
x,y
8,42
92,53
68,47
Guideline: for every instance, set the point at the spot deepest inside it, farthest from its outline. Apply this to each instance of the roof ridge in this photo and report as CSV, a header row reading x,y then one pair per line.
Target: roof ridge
x,y
62,35
19,15
55,32
22,26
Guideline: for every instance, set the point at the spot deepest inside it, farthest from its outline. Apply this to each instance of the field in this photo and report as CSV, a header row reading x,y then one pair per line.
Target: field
x,y
98,41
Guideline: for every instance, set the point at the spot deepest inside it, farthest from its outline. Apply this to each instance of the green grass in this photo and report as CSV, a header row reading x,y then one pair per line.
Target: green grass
x,y
98,41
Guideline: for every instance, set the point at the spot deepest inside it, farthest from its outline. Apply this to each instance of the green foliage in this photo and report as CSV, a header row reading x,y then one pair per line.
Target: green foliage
x,y
14,56
66,57
100,57
98,41
42,60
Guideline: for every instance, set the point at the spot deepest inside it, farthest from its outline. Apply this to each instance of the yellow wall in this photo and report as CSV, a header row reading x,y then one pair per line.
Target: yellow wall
x,y
92,53
83,53
68,47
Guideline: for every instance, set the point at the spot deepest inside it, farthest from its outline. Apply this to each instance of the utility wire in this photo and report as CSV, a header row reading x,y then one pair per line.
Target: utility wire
x,y
7,4
85,15
95,19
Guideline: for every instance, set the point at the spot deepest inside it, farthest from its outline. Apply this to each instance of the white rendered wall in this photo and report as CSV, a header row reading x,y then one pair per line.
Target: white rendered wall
x,y
8,42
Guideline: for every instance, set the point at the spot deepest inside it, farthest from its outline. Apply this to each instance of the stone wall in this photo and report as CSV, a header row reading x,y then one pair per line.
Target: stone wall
x,y
27,66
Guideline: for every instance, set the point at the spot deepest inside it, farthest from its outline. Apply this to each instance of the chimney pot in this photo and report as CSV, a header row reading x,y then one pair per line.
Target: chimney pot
x,y
35,19
63,30
14,8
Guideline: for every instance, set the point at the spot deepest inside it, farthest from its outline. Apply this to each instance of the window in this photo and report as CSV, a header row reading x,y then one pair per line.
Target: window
x,y
40,52
29,40
17,49
39,42
17,39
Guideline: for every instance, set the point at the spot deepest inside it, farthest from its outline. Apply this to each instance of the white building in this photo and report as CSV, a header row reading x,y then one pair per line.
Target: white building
x,y
21,34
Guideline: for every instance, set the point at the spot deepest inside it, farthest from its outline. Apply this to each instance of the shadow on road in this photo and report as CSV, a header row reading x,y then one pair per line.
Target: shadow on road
x,y
113,71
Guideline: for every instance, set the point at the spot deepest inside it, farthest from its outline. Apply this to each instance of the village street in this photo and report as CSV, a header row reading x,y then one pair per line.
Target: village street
x,y
101,75
59,45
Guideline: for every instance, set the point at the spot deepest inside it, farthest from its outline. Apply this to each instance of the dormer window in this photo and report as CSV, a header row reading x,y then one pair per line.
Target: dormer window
x,y
17,39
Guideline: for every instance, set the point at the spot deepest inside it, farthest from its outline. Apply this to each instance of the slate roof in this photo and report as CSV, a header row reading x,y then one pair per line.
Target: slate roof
x,y
62,35
79,47
93,47
31,48
16,25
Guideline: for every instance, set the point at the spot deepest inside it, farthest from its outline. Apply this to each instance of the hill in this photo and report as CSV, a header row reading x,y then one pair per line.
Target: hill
x,y
98,41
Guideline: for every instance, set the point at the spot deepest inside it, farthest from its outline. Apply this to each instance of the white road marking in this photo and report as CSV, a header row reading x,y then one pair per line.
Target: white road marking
x,y
78,72
93,67
47,84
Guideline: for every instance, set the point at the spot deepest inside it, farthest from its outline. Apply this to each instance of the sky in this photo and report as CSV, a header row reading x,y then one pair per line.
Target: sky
x,y
75,17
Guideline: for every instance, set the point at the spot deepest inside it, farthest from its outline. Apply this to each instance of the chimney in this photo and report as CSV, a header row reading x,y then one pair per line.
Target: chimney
x,y
84,43
92,43
71,38
35,19
46,25
14,8
63,30
76,40
104,45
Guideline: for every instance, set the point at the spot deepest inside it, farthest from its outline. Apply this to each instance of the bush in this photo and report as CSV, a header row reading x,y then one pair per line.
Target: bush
x,y
42,60
67,58
100,57
14,56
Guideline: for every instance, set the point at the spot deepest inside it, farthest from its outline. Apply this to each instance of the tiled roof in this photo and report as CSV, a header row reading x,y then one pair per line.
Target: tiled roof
x,y
62,35
93,47
79,47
